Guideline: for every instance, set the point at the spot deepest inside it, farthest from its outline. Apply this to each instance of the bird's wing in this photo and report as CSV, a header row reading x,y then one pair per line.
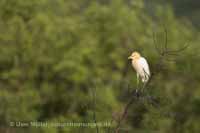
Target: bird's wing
x,y
144,65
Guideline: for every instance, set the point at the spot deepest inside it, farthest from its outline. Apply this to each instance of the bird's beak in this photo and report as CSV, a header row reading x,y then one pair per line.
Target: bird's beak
x,y
129,57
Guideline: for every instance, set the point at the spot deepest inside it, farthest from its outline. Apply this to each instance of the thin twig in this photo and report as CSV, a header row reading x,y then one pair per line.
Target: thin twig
x,y
155,43
166,38
178,50
94,109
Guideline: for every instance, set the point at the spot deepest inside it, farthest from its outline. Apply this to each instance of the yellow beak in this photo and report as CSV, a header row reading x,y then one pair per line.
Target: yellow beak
x,y
129,57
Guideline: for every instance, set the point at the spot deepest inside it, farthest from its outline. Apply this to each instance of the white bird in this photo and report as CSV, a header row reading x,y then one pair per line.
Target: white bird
x,y
141,67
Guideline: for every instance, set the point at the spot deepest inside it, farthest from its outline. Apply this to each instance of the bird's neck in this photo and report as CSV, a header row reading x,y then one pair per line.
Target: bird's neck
x,y
136,58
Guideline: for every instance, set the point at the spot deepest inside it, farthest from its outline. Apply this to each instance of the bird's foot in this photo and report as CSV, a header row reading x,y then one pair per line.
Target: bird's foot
x,y
137,93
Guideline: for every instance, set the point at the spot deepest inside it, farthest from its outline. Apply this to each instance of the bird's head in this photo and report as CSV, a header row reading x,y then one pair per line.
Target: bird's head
x,y
134,56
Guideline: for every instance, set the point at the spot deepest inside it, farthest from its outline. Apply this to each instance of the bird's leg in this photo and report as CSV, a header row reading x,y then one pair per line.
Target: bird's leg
x,y
137,82
146,77
144,84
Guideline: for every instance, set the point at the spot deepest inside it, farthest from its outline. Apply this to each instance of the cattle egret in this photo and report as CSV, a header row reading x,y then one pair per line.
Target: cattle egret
x,y
141,67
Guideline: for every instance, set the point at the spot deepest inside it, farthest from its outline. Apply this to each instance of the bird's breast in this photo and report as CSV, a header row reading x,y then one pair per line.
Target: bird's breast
x,y
137,66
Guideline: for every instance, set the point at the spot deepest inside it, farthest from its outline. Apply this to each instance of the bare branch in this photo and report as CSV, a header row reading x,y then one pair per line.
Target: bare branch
x,y
155,43
178,50
135,96
124,114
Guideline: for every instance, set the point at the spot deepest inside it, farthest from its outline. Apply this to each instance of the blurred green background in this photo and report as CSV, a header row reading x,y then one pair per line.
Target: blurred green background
x,y
55,53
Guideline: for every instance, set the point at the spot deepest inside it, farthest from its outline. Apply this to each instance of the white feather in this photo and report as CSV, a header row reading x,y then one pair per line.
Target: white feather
x,y
142,68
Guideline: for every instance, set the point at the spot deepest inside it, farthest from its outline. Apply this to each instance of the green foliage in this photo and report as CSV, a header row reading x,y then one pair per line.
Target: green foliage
x,y
59,57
